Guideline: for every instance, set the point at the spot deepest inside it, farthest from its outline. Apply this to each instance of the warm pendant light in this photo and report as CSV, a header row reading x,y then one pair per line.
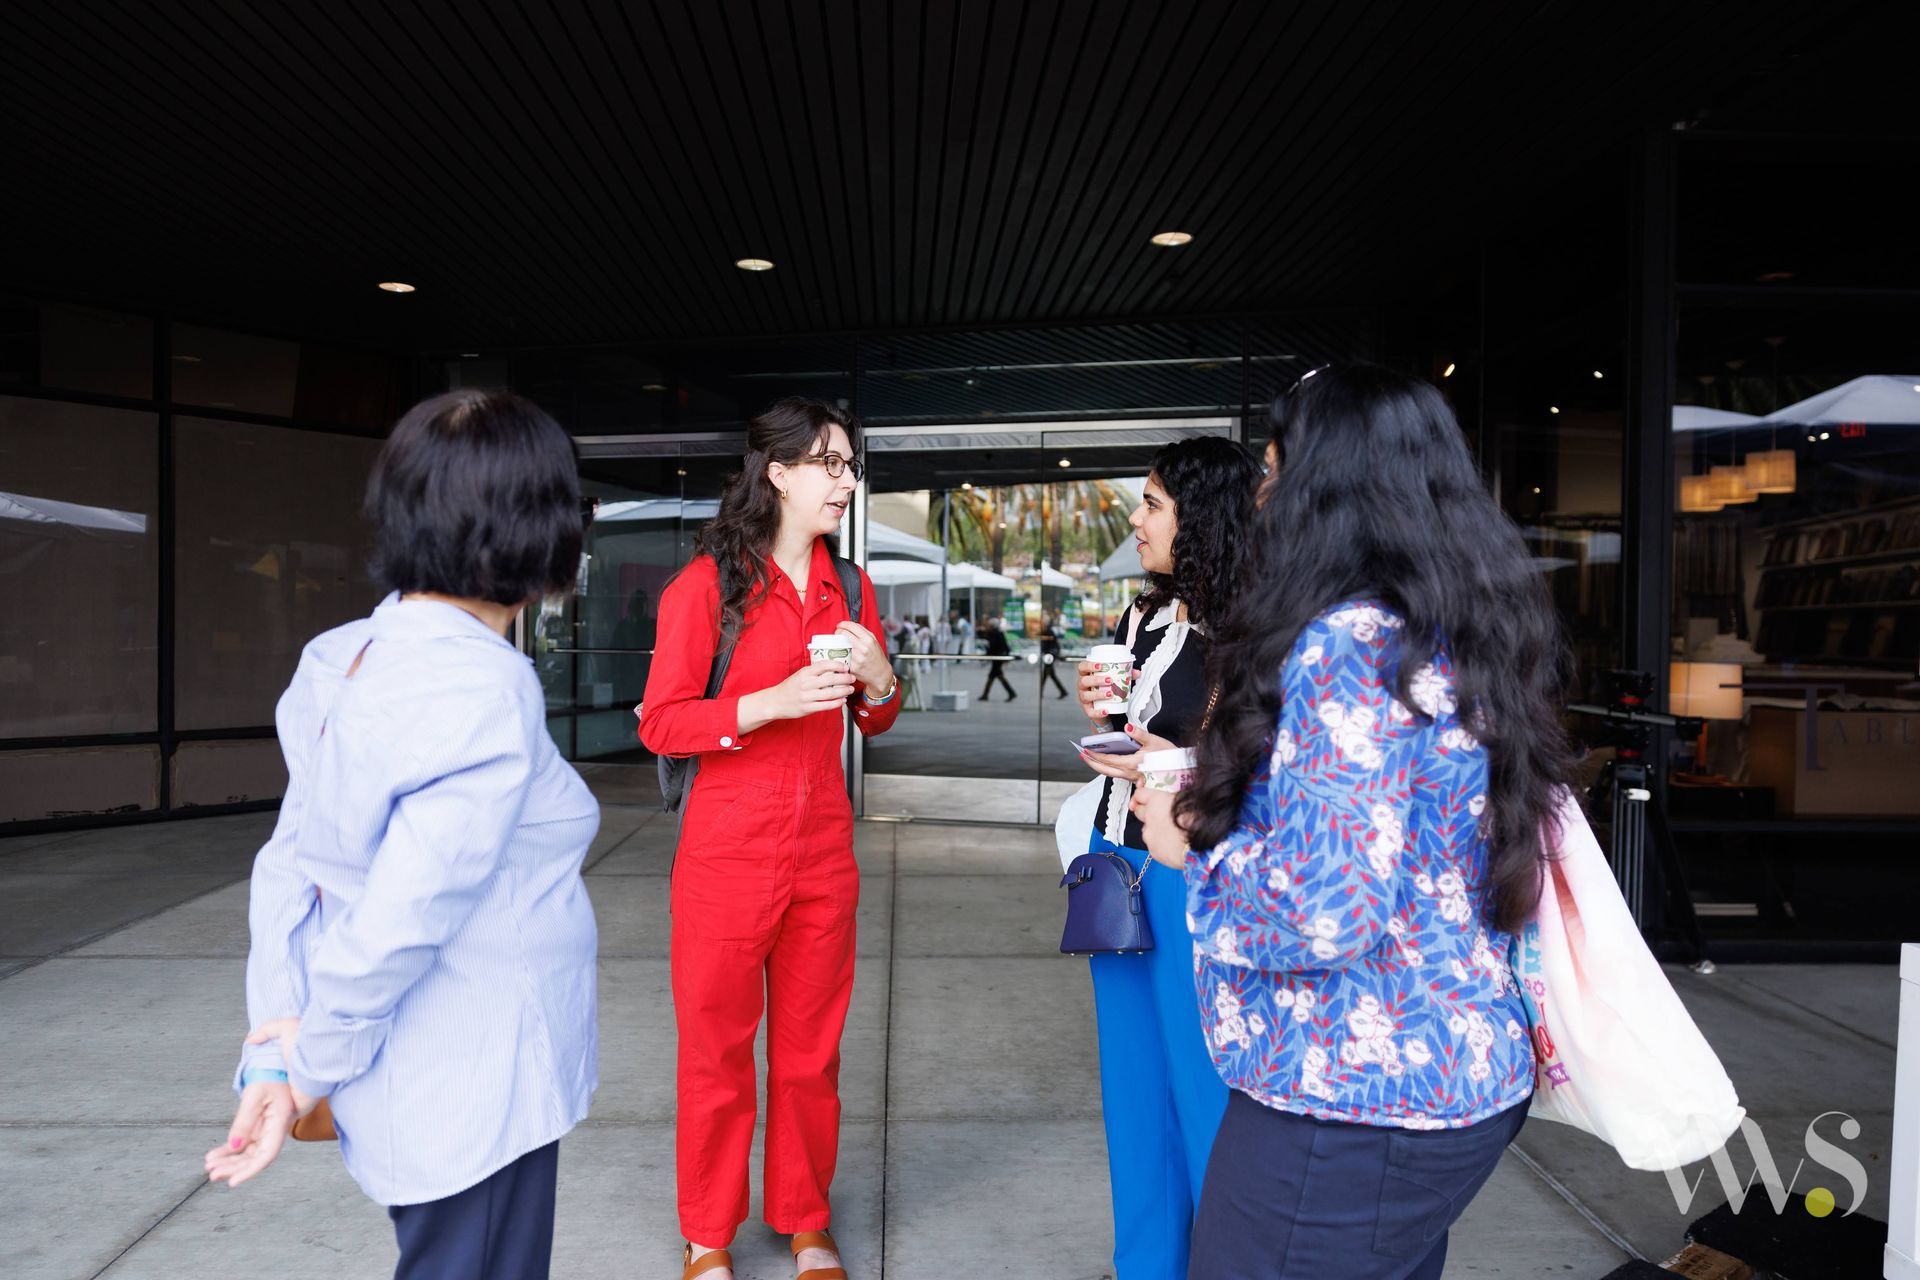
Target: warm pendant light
x,y
1696,495
1771,472
1728,485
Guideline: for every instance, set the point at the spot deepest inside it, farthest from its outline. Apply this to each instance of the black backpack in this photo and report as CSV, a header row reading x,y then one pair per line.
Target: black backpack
x,y
676,772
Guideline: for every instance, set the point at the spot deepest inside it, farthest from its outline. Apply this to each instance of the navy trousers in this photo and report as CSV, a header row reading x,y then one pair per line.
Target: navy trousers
x,y
498,1229
1287,1196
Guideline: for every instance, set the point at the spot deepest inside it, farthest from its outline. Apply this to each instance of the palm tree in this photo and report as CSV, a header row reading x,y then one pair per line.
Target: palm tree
x,y
1074,514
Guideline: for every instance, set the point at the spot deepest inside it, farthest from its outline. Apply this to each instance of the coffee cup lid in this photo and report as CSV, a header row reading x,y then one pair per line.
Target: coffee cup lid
x,y
1170,758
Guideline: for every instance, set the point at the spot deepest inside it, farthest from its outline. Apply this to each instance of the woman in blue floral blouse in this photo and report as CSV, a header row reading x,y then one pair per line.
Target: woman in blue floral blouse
x,y
1366,835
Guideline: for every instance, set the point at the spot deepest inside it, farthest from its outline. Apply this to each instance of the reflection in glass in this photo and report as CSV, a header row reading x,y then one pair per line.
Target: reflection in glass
x,y
79,552
55,347
78,782
271,549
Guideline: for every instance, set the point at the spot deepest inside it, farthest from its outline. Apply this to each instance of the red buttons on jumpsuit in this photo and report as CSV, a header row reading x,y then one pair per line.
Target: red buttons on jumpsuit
x,y
764,893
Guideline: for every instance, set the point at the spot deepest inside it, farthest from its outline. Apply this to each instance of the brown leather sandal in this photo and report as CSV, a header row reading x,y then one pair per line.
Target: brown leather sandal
x,y
712,1261
818,1240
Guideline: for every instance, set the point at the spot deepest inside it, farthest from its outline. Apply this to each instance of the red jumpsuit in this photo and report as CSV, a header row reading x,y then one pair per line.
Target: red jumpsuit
x,y
764,892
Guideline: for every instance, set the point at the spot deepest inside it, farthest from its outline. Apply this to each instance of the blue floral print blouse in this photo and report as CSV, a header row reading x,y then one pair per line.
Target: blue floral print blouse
x,y
1342,958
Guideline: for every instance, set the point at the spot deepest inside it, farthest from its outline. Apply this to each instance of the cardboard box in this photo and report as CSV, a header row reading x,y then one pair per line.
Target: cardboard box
x,y
1857,764
1697,1262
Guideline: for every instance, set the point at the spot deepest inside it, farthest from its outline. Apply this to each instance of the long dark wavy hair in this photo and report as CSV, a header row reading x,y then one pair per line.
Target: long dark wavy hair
x,y
741,534
1376,496
1211,482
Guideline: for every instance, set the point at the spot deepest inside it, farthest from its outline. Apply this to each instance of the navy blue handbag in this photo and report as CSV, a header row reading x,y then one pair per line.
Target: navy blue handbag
x,y
1105,909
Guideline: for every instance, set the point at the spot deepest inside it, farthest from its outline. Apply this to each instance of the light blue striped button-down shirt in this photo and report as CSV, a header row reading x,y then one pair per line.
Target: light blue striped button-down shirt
x,y
420,907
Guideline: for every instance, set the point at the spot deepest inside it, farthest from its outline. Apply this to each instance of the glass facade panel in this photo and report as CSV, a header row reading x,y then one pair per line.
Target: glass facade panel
x,y
218,369
79,553
78,782
1795,616
50,346
593,649
271,549
235,772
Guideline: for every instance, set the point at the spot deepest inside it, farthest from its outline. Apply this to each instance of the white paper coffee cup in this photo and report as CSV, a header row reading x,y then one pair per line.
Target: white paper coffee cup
x,y
1171,770
834,648
1115,661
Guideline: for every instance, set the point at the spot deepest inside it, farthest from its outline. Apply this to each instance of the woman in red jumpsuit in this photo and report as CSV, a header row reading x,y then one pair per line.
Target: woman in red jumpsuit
x,y
765,885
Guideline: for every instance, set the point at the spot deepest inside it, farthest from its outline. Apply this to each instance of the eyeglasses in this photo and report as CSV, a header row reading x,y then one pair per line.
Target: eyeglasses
x,y
838,466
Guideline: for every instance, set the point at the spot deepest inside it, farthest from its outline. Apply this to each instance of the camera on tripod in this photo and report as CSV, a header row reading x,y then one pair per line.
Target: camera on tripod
x,y
1626,722
1628,792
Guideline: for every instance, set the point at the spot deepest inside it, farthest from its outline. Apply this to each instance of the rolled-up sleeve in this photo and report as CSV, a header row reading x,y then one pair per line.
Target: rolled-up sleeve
x,y
447,828
1315,889
676,716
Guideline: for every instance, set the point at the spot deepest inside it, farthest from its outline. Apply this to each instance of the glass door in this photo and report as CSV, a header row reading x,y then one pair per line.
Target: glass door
x,y
999,555
593,649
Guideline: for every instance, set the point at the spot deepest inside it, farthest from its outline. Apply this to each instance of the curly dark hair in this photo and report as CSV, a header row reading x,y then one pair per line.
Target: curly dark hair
x,y
1211,481
1377,496
740,535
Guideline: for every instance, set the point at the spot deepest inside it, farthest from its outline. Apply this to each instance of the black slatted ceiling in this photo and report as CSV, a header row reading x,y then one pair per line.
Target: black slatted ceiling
x,y
553,172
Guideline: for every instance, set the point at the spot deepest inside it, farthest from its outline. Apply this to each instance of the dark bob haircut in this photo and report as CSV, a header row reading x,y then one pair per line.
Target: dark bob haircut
x,y
477,495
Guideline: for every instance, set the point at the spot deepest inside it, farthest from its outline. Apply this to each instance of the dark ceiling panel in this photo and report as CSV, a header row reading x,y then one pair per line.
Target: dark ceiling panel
x,y
579,171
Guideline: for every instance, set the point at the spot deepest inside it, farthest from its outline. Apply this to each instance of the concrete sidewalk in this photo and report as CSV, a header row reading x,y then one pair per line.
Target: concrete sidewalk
x,y
971,1145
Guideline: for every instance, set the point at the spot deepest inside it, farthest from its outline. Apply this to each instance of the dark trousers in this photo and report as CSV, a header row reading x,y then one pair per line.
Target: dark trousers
x,y
1051,671
995,671
499,1229
1287,1196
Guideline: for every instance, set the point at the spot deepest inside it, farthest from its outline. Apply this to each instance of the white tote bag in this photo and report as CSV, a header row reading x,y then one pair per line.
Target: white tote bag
x,y
1615,1051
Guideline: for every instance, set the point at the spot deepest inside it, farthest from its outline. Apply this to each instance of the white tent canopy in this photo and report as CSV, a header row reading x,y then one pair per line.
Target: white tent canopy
x,y
50,516
960,577
1124,562
1878,400
1697,417
884,542
1051,577
656,509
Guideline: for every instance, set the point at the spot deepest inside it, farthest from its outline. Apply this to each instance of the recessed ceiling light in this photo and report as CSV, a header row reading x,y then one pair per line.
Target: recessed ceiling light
x,y
1825,434
1553,408
967,485
1813,440
1172,239
1536,488
653,386
396,286
682,471
196,360
1598,374
1066,462
1448,371
753,264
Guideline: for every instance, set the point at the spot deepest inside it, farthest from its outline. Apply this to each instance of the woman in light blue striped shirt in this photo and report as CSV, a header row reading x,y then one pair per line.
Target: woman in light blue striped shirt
x,y
423,946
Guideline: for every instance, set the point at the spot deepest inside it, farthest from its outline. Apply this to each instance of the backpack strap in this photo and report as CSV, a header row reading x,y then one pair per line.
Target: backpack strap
x,y
849,585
